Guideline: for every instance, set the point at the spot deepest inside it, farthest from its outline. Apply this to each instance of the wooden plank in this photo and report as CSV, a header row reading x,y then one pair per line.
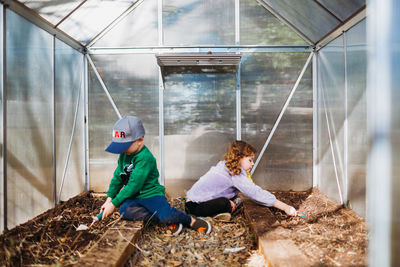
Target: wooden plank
x,y
115,247
282,253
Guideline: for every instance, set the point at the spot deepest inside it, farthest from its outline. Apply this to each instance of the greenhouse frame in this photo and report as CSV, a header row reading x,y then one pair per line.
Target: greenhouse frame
x,y
312,84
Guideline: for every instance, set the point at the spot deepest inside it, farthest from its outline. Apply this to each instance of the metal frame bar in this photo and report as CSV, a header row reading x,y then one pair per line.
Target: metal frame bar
x,y
104,87
71,139
237,22
86,118
349,23
315,120
114,23
331,146
345,125
282,112
284,20
161,124
238,105
37,20
53,114
4,116
70,13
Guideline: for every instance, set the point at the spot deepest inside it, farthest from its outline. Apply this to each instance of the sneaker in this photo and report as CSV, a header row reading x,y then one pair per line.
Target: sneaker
x,y
201,226
223,217
175,228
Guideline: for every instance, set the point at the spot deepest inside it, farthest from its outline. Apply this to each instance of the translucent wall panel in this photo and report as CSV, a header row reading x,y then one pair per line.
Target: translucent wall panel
x,y
29,119
199,124
259,26
92,17
191,22
357,117
306,15
331,115
132,81
287,161
139,28
69,75
266,80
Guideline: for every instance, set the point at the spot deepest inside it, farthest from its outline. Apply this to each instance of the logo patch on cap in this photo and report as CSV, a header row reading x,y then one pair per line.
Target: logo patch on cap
x,y
119,134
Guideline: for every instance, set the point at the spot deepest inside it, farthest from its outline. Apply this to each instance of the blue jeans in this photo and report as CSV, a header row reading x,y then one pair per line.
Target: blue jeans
x,y
156,209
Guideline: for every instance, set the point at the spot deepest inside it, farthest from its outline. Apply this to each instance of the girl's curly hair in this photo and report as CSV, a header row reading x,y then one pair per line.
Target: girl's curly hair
x,y
235,152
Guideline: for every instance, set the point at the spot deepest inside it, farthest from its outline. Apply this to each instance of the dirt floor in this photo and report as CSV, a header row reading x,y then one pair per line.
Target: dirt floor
x,y
329,235
52,237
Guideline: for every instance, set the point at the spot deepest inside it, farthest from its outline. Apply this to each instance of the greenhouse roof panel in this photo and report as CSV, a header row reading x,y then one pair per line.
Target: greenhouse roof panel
x,y
311,18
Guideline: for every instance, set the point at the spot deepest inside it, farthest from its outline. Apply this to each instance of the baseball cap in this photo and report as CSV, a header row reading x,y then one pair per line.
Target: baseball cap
x,y
126,131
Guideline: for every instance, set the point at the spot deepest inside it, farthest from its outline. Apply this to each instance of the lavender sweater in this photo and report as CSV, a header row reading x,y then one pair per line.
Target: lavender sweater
x,y
218,183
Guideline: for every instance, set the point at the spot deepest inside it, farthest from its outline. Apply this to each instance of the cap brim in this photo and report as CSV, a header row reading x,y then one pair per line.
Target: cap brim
x,y
118,148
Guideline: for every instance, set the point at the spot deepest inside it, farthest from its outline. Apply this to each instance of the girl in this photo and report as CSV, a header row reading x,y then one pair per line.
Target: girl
x,y
215,193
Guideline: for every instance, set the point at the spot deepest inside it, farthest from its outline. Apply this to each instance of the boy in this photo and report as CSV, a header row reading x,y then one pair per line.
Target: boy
x,y
135,185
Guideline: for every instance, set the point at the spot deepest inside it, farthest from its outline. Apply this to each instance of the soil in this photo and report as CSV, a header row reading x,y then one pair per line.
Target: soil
x,y
328,234
52,237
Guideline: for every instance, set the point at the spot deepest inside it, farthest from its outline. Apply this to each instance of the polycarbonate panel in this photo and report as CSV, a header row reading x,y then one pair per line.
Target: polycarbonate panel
x,y
343,9
92,17
259,27
266,81
194,22
29,119
306,15
139,28
357,116
199,116
287,161
132,81
53,11
69,75
331,115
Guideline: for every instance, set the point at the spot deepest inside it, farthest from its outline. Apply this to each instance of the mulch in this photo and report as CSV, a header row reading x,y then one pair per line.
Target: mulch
x,y
329,235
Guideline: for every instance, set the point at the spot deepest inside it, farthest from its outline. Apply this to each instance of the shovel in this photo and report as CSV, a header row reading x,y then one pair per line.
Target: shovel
x,y
83,227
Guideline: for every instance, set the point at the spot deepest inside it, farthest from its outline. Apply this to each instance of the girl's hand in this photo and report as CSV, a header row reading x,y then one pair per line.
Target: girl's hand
x,y
291,211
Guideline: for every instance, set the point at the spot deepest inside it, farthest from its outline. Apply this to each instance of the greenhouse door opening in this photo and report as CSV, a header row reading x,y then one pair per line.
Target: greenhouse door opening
x,y
199,117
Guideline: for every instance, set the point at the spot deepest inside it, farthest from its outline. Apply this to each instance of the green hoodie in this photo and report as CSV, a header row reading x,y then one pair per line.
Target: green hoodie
x,y
137,175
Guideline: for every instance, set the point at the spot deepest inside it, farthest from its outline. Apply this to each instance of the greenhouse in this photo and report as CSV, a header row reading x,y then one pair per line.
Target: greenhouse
x,y
311,84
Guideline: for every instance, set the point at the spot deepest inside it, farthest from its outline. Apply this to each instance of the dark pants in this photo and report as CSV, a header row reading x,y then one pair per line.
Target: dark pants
x,y
156,209
209,208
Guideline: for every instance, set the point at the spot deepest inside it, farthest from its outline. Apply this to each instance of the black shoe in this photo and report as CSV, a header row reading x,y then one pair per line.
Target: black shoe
x,y
201,226
175,228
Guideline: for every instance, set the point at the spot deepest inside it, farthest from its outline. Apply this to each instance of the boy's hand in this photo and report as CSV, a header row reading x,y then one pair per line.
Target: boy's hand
x,y
291,211
108,200
108,209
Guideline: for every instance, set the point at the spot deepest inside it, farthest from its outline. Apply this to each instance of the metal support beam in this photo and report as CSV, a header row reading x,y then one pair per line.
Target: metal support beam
x,y
104,87
237,22
161,124
54,116
4,116
282,112
315,119
345,125
238,106
86,118
199,49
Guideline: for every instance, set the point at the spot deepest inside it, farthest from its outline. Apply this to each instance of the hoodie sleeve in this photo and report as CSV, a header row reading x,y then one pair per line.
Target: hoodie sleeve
x,y
253,191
